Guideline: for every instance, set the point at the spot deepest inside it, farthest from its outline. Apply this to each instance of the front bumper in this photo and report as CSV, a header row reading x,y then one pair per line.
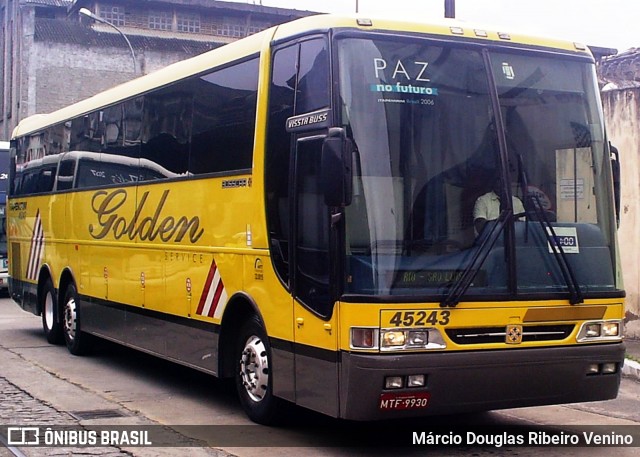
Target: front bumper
x,y
468,381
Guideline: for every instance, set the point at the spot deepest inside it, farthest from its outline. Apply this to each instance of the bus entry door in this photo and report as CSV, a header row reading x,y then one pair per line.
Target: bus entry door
x,y
315,326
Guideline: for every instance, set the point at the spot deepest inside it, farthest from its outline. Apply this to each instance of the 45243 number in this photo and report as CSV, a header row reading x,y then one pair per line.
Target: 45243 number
x,y
420,318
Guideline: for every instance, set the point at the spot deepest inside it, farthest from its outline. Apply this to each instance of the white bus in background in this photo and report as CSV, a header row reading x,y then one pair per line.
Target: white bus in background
x,y
4,181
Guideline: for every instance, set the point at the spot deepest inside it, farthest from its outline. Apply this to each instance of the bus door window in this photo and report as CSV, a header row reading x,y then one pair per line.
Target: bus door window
x,y
278,157
314,377
312,233
313,78
291,93
311,213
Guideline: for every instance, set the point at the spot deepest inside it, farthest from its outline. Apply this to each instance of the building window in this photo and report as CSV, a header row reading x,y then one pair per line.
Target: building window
x,y
232,30
188,23
160,20
255,29
112,14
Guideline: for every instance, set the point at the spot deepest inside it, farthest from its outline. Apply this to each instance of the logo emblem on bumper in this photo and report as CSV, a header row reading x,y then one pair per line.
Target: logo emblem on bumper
x,y
513,334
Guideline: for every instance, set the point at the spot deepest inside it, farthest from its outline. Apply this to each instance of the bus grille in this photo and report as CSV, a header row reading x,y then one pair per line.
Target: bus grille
x,y
530,333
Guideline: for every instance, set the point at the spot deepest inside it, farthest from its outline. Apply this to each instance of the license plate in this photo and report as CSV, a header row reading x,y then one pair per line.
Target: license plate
x,y
392,401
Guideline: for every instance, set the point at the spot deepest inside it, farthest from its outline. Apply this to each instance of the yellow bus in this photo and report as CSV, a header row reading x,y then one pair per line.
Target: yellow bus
x,y
368,218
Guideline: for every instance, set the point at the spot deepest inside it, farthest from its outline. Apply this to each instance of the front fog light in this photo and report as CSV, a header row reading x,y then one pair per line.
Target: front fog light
x,y
393,382
593,368
393,338
608,368
415,380
610,329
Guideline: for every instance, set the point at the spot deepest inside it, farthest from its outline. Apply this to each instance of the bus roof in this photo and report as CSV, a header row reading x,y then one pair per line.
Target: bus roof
x,y
254,43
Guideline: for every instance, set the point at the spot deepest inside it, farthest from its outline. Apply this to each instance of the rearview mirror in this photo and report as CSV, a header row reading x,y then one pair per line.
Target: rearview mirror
x,y
335,168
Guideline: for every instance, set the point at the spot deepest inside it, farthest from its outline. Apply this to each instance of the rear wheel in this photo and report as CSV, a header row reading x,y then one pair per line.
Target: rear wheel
x,y
50,318
253,374
77,342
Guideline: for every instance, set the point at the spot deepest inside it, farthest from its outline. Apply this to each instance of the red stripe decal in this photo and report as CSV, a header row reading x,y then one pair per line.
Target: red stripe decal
x,y
207,286
216,298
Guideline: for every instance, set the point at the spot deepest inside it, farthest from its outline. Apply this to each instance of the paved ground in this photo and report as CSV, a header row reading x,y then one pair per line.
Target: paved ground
x,y
32,395
18,407
632,362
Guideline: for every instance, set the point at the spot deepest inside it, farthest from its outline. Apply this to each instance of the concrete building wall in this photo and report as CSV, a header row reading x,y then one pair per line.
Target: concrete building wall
x,y
622,115
62,73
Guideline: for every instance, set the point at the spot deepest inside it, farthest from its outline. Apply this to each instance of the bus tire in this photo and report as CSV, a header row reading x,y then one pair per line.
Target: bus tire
x,y
50,317
253,376
76,341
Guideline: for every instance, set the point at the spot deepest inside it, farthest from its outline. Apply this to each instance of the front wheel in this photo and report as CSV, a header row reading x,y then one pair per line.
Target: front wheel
x,y
50,318
253,374
77,342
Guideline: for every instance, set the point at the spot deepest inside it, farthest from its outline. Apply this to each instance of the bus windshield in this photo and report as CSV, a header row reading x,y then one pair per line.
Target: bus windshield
x,y
436,166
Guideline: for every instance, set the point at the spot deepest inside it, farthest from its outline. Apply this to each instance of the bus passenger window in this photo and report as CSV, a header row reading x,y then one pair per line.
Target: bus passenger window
x,y
224,119
167,128
66,174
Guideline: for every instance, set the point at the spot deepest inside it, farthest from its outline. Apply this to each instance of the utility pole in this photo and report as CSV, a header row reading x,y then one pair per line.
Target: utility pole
x,y
450,8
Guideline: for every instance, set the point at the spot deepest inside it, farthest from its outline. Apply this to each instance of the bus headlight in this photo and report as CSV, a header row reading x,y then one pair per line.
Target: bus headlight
x,y
418,338
411,339
592,330
600,331
393,338
610,329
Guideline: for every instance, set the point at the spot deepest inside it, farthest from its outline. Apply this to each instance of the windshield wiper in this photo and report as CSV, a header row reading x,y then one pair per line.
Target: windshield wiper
x,y
558,253
550,234
465,280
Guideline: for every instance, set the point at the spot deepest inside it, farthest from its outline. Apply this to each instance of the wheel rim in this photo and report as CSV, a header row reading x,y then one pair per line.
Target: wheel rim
x,y
254,368
70,319
48,311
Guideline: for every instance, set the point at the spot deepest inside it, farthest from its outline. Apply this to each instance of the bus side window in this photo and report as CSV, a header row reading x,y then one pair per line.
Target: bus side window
x,y
66,173
38,181
224,114
167,127
112,139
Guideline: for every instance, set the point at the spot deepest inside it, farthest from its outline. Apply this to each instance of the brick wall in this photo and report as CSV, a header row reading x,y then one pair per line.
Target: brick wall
x,y
64,73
